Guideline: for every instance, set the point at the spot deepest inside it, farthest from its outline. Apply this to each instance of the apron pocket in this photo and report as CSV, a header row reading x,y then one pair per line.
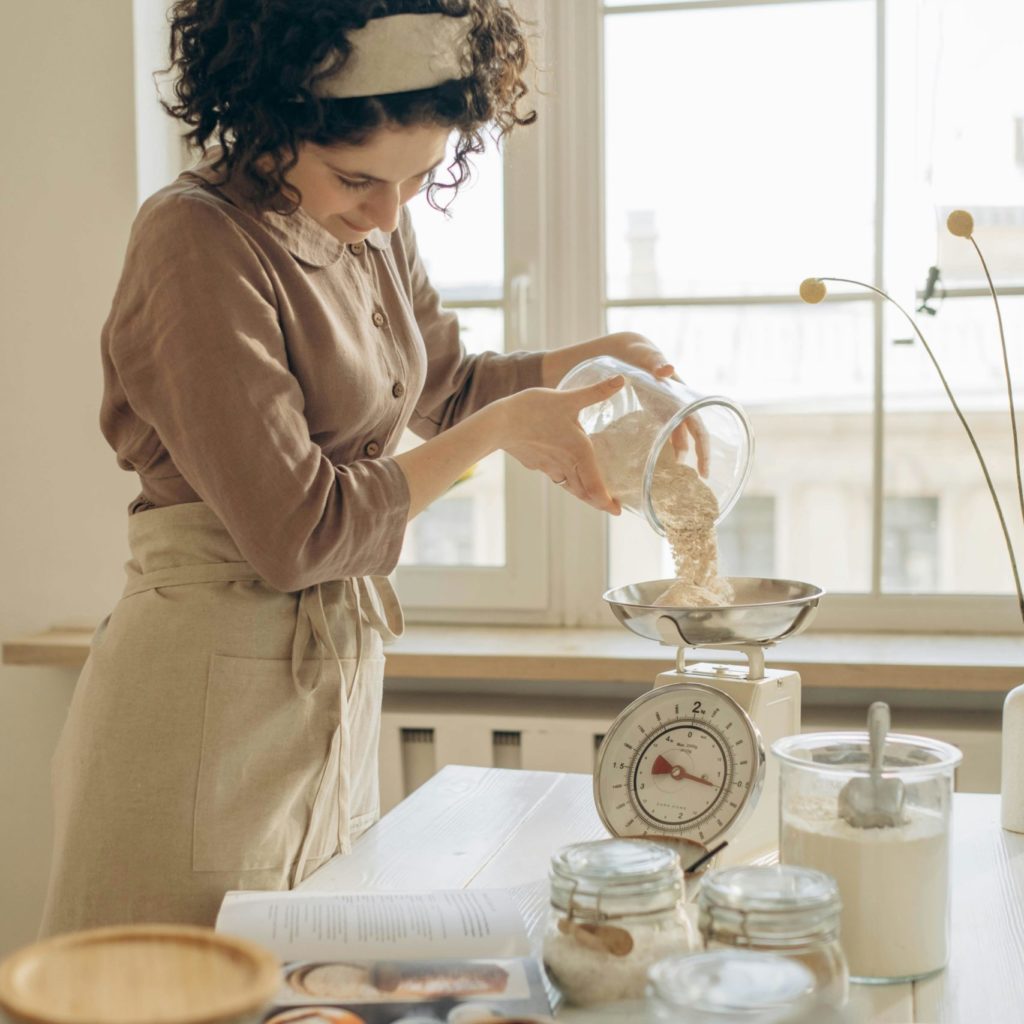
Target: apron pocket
x,y
263,761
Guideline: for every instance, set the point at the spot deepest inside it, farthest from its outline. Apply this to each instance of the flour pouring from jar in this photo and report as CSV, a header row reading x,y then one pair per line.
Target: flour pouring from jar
x,y
641,438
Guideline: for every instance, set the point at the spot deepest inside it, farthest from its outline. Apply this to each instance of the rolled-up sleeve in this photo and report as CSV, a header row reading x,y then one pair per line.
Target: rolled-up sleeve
x,y
457,383
197,344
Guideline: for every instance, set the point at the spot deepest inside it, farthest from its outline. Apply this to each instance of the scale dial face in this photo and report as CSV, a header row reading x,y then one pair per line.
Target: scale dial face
x,y
684,760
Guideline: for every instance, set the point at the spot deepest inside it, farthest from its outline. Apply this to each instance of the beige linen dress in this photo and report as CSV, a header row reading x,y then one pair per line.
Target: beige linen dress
x,y
223,733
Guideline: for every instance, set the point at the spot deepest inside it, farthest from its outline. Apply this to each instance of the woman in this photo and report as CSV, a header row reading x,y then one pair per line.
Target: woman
x,y
272,335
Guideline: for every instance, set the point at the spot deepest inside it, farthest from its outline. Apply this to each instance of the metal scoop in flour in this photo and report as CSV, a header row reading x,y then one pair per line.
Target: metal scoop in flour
x,y
873,802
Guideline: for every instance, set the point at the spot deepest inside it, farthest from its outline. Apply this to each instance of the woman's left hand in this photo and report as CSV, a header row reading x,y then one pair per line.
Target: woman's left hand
x,y
639,351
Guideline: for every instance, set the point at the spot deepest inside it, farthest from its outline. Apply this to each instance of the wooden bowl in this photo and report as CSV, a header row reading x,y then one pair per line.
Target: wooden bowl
x,y
139,974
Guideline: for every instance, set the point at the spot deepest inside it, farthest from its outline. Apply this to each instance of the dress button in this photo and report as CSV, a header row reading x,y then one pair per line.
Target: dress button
x,y
356,248
398,390
379,319
372,449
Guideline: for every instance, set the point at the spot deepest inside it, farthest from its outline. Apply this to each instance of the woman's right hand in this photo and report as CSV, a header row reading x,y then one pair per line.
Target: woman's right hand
x,y
540,428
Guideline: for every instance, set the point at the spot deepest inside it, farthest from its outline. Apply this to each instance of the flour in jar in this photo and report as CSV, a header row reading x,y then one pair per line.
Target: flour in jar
x,y
893,882
683,502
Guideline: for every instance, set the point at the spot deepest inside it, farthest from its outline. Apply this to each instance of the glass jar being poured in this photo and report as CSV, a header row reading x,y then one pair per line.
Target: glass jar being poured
x,y
675,457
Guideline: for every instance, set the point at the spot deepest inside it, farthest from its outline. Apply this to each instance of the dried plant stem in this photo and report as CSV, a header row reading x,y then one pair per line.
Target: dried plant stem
x,y
963,421
1009,382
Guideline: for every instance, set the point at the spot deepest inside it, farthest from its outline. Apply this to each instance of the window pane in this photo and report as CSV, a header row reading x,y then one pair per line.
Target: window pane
x,y
463,249
910,548
928,456
467,525
968,104
482,330
747,539
463,253
740,147
805,379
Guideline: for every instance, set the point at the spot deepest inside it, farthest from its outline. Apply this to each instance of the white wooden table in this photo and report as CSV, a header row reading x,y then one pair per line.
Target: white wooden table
x,y
495,828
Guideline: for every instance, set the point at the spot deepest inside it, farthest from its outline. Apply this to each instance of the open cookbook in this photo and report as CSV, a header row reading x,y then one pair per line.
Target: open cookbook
x,y
453,957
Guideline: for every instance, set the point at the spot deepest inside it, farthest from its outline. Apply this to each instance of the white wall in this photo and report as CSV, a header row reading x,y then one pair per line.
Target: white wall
x,y
67,198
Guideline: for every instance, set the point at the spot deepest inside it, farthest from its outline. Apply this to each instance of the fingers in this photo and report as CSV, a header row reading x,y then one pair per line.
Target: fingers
x,y
584,481
639,351
591,485
695,425
594,393
681,441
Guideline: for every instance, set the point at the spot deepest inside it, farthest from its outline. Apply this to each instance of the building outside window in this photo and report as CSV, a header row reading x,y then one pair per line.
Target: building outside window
x,y
911,545
746,538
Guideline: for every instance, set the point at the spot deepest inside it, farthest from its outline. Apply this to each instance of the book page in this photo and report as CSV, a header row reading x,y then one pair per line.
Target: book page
x,y
419,925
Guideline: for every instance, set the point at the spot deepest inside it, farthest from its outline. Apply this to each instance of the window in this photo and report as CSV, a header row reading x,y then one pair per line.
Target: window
x,y
960,100
692,164
747,147
482,549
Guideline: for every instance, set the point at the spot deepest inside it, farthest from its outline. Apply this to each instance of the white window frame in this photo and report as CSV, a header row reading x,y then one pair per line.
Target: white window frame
x,y
556,547
519,590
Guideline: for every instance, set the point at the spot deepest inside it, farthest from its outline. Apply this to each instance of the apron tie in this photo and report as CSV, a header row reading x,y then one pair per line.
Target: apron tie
x,y
311,623
311,620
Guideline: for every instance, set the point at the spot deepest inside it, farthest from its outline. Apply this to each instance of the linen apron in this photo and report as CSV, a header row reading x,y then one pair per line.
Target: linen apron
x,y
222,735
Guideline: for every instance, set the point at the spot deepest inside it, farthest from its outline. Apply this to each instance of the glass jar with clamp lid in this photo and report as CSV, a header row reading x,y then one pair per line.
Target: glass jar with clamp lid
x,y
616,909
729,986
781,909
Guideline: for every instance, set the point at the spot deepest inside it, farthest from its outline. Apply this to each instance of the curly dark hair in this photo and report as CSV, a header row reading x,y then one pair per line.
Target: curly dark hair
x,y
242,65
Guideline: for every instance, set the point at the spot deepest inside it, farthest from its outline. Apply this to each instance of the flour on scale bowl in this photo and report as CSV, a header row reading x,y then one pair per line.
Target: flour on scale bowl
x,y
764,611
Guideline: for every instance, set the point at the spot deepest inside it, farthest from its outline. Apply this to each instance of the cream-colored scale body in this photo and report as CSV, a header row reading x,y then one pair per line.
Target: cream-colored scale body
x,y
771,699
690,760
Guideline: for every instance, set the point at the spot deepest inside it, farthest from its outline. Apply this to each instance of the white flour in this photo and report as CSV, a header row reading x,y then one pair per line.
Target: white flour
x,y
894,884
683,502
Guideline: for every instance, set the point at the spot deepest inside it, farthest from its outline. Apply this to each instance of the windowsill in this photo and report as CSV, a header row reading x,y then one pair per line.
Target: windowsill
x,y
613,657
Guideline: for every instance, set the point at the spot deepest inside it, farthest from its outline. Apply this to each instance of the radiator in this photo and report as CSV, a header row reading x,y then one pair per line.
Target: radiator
x,y
416,741
421,733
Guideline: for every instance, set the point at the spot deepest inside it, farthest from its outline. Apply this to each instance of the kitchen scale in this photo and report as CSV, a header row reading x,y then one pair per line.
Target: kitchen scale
x,y
687,760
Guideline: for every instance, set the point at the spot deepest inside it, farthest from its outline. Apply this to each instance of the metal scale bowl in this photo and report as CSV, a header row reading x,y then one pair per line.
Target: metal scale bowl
x,y
687,760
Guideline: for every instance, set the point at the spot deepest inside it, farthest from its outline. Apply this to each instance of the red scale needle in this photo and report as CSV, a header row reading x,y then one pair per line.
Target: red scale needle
x,y
663,767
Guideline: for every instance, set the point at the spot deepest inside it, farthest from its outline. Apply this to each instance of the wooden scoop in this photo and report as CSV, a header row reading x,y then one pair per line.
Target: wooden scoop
x,y
605,938
873,802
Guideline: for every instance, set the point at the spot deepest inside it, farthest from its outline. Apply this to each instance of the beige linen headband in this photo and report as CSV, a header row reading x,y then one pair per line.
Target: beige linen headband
x,y
399,53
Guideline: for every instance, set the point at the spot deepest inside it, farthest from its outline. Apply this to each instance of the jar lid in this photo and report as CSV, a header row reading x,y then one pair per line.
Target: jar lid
x,y
778,905
848,754
780,887
733,983
138,974
610,877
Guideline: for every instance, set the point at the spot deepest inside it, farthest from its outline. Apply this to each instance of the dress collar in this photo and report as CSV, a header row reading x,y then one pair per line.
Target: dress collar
x,y
305,238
